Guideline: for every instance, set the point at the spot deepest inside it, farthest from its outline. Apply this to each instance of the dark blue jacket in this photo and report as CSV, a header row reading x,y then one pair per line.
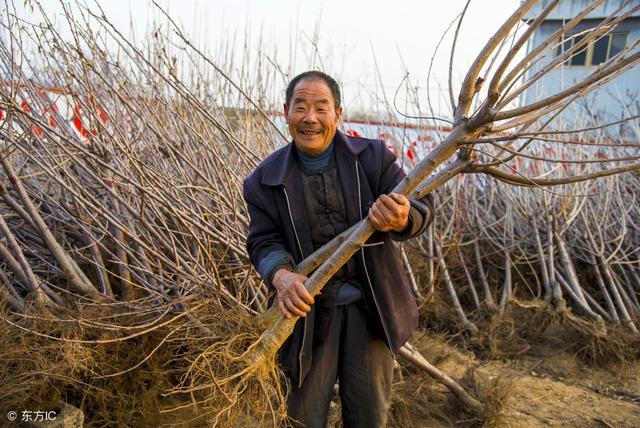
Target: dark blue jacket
x,y
279,225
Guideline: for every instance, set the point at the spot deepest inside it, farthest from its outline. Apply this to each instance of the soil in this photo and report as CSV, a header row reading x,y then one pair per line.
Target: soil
x,y
539,388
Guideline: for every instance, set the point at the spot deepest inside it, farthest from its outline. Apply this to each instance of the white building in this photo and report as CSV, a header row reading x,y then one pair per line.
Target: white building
x,y
616,99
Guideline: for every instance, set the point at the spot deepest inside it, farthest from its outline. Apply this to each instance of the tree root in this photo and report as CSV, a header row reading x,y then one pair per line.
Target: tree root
x,y
411,354
235,382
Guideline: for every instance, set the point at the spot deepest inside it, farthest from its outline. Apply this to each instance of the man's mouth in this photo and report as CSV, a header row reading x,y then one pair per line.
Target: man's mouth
x,y
310,132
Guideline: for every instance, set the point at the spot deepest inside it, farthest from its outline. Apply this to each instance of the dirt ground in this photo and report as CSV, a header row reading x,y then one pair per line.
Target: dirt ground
x,y
544,387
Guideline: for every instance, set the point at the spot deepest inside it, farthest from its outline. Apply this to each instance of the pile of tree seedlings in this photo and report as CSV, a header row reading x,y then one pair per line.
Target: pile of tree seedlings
x,y
121,210
575,245
126,220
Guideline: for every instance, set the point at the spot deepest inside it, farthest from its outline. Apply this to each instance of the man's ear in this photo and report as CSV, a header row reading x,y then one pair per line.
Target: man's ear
x,y
285,107
339,113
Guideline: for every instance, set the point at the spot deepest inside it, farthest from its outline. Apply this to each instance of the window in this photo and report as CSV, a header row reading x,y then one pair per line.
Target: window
x,y
596,51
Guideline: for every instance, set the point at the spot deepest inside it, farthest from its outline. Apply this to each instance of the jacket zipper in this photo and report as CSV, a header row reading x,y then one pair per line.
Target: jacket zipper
x,y
304,324
366,272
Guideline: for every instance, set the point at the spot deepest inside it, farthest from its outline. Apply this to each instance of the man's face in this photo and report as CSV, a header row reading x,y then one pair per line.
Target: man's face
x,y
312,116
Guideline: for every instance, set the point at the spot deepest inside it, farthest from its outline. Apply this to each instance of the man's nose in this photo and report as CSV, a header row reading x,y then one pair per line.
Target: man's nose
x,y
310,116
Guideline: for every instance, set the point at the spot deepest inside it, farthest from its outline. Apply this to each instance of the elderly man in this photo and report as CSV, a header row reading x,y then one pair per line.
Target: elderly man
x,y
299,198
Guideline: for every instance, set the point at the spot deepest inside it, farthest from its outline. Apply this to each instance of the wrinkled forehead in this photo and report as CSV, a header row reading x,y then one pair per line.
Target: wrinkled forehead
x,y
312,90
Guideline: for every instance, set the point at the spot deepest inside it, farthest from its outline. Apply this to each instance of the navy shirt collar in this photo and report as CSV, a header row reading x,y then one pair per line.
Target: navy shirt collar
x,y
317,163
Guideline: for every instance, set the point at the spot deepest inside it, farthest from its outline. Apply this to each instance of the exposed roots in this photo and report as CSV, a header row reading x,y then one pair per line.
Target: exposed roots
x,y
494,395
169,374
526,328
38,372
227,385
416,400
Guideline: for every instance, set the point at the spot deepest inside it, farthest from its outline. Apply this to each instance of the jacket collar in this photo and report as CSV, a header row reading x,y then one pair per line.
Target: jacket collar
x,y
279,170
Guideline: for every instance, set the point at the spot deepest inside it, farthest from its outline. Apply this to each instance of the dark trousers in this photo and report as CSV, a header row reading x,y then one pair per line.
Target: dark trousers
x,y
362,363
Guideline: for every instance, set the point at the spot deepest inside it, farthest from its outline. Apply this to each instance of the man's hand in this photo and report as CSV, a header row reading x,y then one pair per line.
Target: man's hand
x,y
293,298
390,213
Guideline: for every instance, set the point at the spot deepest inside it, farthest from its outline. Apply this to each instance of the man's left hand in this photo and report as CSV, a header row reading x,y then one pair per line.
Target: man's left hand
x,y
390,213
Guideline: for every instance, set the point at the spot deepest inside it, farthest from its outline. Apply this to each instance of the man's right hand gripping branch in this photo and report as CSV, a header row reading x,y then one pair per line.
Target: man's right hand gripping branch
x,y
293,297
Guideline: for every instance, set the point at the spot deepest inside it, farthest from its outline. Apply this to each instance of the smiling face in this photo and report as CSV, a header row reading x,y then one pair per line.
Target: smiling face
x,y
312,116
